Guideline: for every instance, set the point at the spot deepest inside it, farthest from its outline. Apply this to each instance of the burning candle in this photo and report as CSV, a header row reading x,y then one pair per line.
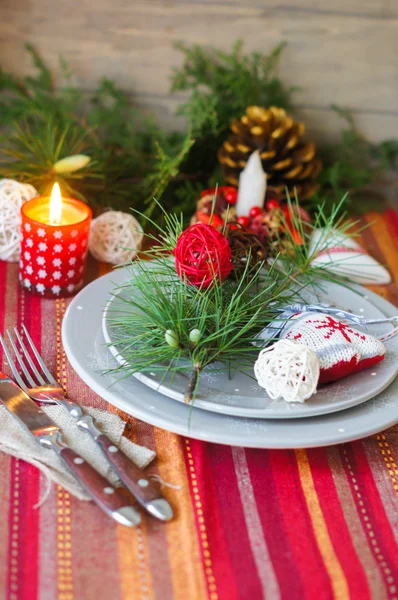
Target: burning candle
x,y
54,240
252,186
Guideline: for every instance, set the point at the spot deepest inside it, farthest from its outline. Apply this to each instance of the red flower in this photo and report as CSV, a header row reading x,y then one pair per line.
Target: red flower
x,y
202,255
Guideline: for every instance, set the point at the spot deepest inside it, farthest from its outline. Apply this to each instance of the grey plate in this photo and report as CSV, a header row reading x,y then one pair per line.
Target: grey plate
x,y
241,396
84,344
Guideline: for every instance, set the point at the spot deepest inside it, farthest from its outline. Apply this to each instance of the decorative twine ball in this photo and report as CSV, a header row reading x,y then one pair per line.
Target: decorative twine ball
x,y
245,245
12,195
287,370
115,237
202,255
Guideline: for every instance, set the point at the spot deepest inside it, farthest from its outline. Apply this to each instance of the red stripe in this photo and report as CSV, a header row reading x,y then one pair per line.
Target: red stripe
x,y
230,509
391,219
371,512
273,523
337,527
376,505
28,532
338,249
13,558
221,565
28,538
303,551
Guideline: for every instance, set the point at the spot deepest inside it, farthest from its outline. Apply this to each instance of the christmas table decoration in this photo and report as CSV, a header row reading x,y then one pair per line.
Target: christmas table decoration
x,y
288,161
199,309
103,151
252,186
54,245
245,246
202,256
288,370
216,206
12,196
342,254
115,237
341,349
271,228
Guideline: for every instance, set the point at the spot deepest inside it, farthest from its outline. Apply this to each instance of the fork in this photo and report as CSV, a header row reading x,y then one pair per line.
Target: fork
x,y
43,387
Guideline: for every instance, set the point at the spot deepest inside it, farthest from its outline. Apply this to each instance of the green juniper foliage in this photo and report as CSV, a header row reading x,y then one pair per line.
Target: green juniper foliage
x,y
132,159
162,323
223,84
353,164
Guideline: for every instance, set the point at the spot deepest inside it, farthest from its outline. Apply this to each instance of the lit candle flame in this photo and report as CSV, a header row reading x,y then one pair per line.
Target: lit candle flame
x,y
55,205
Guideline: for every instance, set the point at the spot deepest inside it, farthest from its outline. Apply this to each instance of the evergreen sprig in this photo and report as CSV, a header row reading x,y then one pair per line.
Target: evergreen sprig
x,y
223,84
34,149
133,160
131,157
155,305
353,164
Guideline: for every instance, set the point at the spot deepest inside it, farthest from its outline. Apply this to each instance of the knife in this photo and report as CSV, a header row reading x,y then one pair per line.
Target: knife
x,y
38,423
145,491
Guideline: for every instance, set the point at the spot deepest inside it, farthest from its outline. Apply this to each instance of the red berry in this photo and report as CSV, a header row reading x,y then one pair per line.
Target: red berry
x,y
244,221
213,219
272,204
208,192
296,237
231,195
255,211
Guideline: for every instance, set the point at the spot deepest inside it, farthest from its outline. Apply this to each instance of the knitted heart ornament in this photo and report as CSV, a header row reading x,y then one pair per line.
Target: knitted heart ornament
x,y
341,349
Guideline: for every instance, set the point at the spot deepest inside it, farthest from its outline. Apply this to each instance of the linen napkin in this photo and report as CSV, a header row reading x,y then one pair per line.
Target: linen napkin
x,y
17,441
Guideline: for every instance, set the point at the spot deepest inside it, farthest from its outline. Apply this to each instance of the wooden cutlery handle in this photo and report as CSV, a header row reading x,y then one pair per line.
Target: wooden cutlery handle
x,y
109,498
146,491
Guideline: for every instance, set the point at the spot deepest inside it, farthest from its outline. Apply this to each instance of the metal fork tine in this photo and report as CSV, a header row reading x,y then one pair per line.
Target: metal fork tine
x,y
19,358
28,357
39,359
13,368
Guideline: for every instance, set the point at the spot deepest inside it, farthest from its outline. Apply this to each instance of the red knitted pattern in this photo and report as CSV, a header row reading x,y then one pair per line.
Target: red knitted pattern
x,y
341,349
202,255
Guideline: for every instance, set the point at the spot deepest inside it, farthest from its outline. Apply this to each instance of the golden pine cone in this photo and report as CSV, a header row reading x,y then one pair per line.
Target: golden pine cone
x,y
288,161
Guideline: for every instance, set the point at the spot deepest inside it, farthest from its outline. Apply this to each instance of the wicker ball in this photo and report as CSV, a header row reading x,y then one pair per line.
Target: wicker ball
x,y
12,195
289,371
115,237
202,256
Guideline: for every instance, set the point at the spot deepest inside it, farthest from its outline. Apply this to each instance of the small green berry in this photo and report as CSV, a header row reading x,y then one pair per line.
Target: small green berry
x,y
171,338
195,335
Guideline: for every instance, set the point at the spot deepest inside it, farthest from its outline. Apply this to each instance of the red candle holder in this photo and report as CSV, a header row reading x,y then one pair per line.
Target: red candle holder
x,y
53,257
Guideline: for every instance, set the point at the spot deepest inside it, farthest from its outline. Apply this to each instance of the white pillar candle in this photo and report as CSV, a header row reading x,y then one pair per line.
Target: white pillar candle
x,y
252,186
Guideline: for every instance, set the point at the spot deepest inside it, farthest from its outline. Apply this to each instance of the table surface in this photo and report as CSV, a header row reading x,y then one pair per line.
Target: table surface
x,y
250,524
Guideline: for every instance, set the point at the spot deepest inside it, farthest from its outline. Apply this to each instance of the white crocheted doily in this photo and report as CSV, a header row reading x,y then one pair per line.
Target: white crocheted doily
x,y
12,196
115,237
287,370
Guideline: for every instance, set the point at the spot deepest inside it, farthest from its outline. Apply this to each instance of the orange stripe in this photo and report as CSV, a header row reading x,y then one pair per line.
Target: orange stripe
x,y
389,461
358,536
332,564
383,238
187,573
390,252
134,573
104,268
64,520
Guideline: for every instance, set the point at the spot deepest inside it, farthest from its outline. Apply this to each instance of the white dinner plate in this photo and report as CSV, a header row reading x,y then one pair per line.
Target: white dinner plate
x,y
239,394
85,347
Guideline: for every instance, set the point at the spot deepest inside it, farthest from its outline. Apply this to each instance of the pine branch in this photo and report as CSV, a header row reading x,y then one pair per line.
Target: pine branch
x,y
155,313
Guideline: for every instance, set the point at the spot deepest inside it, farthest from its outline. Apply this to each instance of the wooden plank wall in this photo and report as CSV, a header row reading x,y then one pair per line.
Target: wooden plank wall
x,y
339,51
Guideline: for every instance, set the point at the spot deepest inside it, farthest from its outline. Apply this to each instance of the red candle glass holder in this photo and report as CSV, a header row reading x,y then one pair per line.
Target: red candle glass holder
x,y
53,257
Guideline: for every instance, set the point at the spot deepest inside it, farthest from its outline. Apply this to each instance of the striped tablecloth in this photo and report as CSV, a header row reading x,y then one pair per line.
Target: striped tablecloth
x,y
250,524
